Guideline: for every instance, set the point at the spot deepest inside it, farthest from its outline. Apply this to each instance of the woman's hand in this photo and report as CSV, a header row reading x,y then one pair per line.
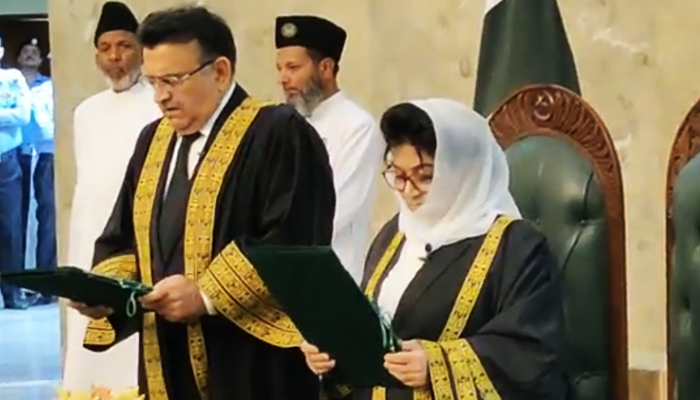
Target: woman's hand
x,y
410,366
319,363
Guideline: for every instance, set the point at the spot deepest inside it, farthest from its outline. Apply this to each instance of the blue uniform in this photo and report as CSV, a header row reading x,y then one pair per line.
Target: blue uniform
x,y
15,113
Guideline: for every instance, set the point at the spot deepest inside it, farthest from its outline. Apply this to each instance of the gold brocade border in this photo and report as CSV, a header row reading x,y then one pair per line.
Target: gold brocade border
x,y
230,280
99,332
144,200
468,294
482,380
238,293
379,393
438,373
461,378
471,287
121,267
237,123
201,214
423,393
383,264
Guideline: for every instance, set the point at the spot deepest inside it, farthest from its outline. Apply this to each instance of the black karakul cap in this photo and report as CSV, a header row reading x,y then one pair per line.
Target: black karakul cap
x,y
115,16
312,32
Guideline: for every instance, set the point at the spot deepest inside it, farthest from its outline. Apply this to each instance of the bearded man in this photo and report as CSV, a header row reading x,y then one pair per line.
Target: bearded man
x,y
309,49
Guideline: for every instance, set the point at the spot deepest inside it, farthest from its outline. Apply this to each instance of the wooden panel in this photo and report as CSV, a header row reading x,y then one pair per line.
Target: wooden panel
x,y
647,385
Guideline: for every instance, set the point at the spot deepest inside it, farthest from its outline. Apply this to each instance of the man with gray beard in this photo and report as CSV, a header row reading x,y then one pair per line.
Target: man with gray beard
x,y
105,128
309,49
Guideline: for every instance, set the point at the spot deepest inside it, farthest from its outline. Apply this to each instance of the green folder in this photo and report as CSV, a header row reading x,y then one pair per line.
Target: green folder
x,y
330,310
82,287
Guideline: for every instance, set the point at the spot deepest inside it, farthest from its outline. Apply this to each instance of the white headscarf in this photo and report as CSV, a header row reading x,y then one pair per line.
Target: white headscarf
x,y
470,179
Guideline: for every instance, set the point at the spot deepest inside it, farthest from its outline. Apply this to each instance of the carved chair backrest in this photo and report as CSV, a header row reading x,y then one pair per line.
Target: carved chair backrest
x,y
565,177
682,263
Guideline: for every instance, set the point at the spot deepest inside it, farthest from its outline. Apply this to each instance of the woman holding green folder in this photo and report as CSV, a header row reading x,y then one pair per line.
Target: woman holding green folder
x,y
472,290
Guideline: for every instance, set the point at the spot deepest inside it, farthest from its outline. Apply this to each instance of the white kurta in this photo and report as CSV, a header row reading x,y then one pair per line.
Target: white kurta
x,y
105,129
355,147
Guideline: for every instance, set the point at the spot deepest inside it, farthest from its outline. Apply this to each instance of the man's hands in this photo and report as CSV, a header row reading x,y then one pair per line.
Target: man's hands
x,y
319,363
92,312
176,298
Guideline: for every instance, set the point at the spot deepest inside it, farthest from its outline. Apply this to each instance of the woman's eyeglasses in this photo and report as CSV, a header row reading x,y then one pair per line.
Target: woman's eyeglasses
x,y
397,179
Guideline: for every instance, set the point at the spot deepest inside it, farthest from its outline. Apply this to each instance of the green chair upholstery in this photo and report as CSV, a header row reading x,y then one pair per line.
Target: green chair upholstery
x,y
565,177
683,260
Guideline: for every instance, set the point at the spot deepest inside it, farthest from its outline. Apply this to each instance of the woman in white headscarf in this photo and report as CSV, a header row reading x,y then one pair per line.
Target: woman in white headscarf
x,y
471,289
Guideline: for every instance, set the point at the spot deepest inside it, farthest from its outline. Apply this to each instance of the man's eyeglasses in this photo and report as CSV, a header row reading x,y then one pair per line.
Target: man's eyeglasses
x,y
172,81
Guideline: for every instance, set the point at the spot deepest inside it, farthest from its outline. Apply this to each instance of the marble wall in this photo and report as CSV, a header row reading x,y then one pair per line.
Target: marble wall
x,y
637,61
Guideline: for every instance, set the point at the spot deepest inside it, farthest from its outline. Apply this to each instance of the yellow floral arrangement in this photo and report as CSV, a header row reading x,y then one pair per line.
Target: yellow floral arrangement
x,y
101,393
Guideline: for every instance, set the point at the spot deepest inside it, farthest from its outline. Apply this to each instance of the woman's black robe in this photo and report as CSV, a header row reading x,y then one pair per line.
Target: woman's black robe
x,y
516,327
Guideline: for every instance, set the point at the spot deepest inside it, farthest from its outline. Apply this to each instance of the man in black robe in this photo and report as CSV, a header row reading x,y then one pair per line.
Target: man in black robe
x,y
218,172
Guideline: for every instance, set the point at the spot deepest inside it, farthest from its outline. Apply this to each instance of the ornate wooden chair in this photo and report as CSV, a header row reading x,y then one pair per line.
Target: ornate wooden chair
x,y
565,177
683,259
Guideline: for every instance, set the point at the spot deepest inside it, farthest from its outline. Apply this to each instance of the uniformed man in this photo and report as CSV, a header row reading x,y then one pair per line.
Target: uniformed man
x,y
38,137
309,49
15,111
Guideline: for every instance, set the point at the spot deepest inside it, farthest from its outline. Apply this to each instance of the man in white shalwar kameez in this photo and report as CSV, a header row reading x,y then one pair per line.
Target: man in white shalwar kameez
x,y
106,126
308,53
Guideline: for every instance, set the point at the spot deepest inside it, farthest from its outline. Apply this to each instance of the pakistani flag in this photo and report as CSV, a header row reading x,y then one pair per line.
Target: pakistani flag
x,y
523,42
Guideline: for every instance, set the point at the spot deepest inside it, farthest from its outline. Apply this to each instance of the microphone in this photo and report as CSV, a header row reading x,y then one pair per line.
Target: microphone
x,y
428,250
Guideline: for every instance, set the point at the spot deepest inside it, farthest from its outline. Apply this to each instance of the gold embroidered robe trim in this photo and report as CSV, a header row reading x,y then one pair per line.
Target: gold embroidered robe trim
x,y
438,374
238,293
379,393
144,202
230,280
122,267
198,233
100,332
201,213
471,288
462,359
462,376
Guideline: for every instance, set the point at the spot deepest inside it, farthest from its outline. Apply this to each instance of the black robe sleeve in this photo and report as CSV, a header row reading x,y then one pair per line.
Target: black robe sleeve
x,y
290,201
115,252
518,353
296,184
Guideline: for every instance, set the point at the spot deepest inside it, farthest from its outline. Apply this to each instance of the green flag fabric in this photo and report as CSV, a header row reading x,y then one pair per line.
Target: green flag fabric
x,y
523,42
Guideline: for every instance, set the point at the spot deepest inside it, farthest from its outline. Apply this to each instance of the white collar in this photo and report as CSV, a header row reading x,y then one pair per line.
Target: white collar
x,y
326,105
206,129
